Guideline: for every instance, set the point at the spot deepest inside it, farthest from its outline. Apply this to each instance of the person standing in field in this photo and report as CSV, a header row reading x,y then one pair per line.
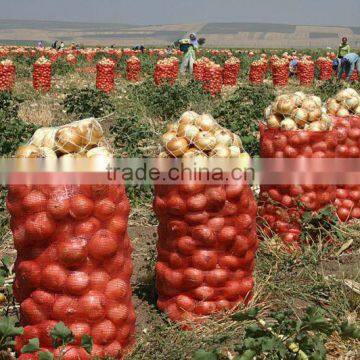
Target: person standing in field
x,y
348,64
344,48
188,47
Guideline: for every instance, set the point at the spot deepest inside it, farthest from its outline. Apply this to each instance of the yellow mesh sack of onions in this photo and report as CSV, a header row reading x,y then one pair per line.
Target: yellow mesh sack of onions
x,y
297,111
80,139
345,103
200,137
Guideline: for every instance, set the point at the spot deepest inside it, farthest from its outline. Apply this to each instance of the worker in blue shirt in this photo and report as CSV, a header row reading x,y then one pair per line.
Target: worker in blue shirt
x,y
348,64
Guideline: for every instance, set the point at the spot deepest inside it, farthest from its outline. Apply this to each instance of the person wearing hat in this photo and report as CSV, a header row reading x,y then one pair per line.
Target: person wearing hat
x,y
188,47
348,64
344,48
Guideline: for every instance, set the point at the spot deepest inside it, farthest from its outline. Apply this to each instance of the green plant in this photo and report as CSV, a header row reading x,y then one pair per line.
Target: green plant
x,y
8,331
327,89
13,133
87,103
62,337
168,101
241,112
284,336
9,105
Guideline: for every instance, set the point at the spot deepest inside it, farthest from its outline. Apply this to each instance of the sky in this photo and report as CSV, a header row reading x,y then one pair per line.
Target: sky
x,y
149,12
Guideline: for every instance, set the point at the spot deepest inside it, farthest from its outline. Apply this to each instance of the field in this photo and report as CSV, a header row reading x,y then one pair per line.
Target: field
x,y
319,283
254,35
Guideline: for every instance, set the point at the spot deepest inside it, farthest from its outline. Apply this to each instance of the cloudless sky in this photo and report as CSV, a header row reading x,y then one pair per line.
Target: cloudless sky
x,y
302,12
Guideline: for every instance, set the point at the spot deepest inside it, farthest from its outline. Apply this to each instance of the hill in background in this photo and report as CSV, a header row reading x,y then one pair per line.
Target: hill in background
x,y
253,35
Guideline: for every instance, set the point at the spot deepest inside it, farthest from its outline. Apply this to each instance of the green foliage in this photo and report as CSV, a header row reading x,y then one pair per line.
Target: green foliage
x,y
87,103
8,330
285,336
168,101
13,133
327,89
32,346
241,112
61,67
320,225
5,268
9,105
61,335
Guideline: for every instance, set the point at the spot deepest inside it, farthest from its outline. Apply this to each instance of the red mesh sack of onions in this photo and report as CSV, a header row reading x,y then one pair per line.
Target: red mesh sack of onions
x,y
354,76
200,69
280,72
133,68
256,74
164,72
7,75
207,233
105,75
73,251
325,66
42,75
71,59
345,108
306,72
296,127
231,71
215,82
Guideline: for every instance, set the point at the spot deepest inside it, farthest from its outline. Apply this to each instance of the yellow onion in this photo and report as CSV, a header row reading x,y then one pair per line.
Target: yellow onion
x,y
177,146
90,131
309,104
316,126
326,119
315,114
223,137
237,141
28,151
205,140
205,122
267,111
234,151
357,110
299,98
164,155
98,151
188,117
349,92
49,139
273,121
68,140
351,103
188,131
317,100
300,116
195,160
342,112
48,153
332,106
285,105
288,124
168,136
342,95
172,127
38,137
220,151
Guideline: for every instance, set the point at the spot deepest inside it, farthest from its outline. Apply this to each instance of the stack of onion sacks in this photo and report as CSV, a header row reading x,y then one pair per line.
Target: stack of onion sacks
x,y
306,71
7,75
231,71
207,232
74,254
345,109
105,75
133,68
200,68
257,73
71,59
42,75
297,111
325,66
166,70
280,72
